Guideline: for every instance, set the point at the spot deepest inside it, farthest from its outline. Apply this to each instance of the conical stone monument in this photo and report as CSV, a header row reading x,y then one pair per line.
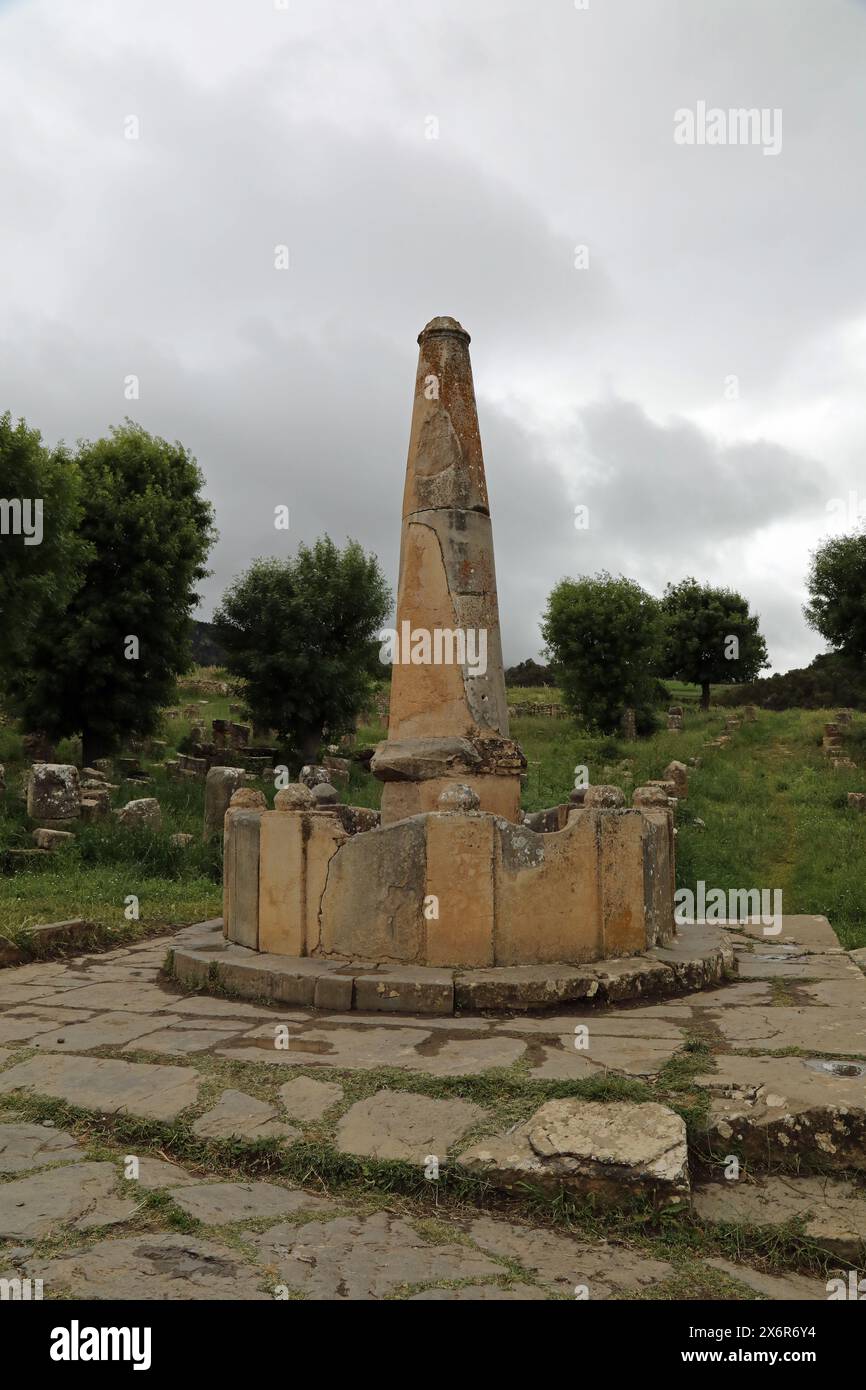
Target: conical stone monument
x,y
448,718
451,899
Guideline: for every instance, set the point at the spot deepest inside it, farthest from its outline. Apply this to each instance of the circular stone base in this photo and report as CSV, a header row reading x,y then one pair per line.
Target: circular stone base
x,y
701,956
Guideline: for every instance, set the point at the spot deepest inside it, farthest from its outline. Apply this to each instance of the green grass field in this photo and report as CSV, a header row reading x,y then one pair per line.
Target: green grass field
x,y
775,816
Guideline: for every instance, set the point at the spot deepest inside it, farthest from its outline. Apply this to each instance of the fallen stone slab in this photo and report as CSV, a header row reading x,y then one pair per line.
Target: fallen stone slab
x,y
52,839
363,1258
307,1100
833,1211
223,1203
786,1109
562,1263
150,1267
26,1146
237,1115
34,1206
99,1083
612,1152
798,1288
46,934
400,1124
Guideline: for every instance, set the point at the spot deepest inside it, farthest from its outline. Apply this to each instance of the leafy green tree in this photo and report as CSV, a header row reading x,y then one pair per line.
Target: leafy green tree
x,y
837,594
300,634
711,638
41,553
603,635
105,663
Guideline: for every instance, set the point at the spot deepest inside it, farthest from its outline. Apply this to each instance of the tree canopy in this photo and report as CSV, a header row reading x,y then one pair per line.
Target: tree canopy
x,y
105,662
711,638
301,633
603,635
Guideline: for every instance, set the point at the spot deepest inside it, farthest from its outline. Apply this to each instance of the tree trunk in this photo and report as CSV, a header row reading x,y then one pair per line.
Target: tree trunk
x,y
308,745
705,694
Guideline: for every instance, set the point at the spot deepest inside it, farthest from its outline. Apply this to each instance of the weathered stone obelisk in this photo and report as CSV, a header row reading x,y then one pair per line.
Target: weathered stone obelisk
x,y
449,717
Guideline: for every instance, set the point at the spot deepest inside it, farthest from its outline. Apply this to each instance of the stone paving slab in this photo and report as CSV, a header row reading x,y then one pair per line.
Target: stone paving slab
x,y
105,1085
115,994
481,1293
152,1267
561,1263
26,1146
225,1203
307,1100
178,1042
634,1056
105,1030
354,1049
799,1288
34,1206
811,933
20,1027
833,1211
158,1173
238,1115
400,1124
365,1258
837,1031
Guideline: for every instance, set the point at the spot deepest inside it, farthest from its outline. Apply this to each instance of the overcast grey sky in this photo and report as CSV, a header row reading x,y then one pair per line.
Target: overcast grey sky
x,y
608,385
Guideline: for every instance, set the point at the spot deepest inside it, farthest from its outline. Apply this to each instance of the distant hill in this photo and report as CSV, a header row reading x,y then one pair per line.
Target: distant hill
x,y
206,650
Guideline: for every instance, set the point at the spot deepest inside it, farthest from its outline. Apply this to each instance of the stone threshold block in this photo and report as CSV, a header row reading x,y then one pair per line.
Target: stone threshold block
x,y
613,1152
703,957
772,1111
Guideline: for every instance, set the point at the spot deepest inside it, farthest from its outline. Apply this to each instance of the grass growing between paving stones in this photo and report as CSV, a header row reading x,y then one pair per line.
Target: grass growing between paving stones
x,y
438,1211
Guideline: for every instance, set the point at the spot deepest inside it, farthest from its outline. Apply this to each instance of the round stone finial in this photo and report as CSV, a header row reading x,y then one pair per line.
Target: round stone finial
x,y
604,798
294,797
458,797
249,799
325,795
442,327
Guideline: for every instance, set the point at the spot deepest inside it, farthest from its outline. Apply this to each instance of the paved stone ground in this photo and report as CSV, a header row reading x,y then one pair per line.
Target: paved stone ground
x,y
106,1034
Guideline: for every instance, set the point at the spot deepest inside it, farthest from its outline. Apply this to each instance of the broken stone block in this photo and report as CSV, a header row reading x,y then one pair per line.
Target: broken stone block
x,y
604,798
857,800
53,792
249,799
311,774
220,785
95,808
52,839
325,795
833,1210
145,812
295,797
59,933
678,774
181,839
237,1115
654,795
843,764
612,1151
